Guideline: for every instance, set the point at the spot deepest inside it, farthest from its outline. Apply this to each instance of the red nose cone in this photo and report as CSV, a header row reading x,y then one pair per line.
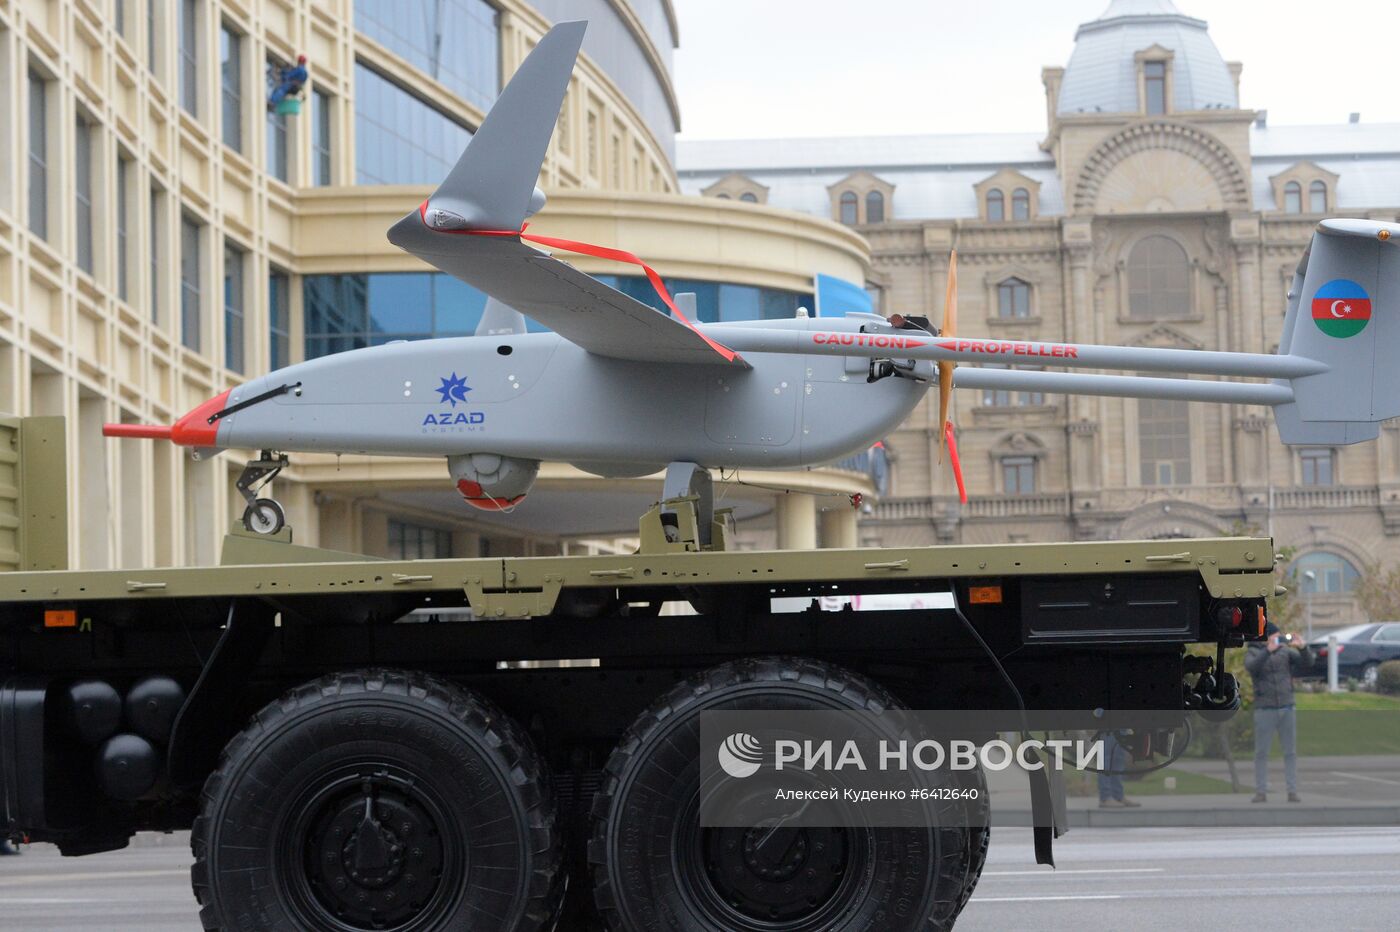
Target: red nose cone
x,y
474,496
194,429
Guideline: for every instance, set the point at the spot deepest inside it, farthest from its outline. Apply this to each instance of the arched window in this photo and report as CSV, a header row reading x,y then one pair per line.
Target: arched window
x,y
996,205
1164,442
874,207
1020,204
1293,198
1317,197
1013,298
1159,279
749,197
849,202
1325,573
723,197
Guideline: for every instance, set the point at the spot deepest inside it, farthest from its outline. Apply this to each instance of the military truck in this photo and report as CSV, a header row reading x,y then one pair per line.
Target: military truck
x,y
512,743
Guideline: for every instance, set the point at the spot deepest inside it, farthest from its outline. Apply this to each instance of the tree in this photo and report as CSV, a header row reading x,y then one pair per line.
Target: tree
x,y
1378,592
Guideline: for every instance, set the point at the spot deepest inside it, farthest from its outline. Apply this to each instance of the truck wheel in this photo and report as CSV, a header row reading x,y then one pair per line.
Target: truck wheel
x,y
383,800
653,865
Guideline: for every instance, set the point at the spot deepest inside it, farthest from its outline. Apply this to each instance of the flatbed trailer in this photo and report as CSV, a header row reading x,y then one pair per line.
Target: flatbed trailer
x,y
360,743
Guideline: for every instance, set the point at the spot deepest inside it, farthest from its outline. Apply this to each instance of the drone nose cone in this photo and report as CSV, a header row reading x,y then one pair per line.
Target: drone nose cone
x,y
195,429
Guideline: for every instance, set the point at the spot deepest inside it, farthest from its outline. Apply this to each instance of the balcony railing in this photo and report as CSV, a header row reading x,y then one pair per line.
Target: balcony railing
x,y
1327,497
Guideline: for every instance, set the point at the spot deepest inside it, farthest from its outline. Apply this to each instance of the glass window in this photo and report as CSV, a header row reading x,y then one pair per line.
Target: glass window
x,y
1020,204
1164,442
400,139
874,207
344,312
849,204
1317,197
154,269
1018,475
38,155
418,542
1013,298
233,308
1159,279
119,16
1387,634
189,283
1326,573
276,134
151,47
749,197
124,182
231,87
279,319
455,41
1154,81
1293,198
996,205
82,192
189,57
1316,465
321,137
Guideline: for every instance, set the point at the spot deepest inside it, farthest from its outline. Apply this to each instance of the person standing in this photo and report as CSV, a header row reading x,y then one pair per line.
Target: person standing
x,y
1111,777
1272,664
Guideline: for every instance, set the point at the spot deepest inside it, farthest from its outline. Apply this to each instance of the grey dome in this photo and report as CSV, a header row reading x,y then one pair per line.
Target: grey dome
x,y
1102,74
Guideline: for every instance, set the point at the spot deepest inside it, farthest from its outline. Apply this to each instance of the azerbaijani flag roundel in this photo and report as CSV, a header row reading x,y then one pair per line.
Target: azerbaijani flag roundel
x,y
1341,308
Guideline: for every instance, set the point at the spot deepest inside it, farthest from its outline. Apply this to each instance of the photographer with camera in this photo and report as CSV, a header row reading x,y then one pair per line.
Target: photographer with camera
x,y
1272,665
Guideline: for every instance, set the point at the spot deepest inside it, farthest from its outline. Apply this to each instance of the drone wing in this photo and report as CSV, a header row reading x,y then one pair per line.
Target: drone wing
x,y
491,191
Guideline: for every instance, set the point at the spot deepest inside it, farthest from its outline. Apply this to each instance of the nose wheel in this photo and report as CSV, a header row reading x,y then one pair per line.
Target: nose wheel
x,y
263,515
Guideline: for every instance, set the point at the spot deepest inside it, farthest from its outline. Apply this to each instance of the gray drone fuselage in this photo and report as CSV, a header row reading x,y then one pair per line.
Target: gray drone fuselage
x,y
538,396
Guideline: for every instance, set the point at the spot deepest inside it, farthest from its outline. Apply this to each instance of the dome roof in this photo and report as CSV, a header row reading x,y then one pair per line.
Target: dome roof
x,y
1102,73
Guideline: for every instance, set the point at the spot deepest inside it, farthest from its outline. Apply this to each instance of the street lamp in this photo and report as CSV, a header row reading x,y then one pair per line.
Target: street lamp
x,y
1311,577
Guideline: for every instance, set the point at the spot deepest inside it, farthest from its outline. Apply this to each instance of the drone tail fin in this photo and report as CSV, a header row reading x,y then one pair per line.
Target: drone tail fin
x,y
1344,312
492,186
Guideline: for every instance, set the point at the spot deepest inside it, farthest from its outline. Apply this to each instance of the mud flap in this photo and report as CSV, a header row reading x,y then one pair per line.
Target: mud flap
x,y
1049,815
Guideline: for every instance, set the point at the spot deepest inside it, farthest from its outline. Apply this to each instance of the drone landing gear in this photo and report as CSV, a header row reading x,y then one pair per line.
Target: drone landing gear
x,y
263,515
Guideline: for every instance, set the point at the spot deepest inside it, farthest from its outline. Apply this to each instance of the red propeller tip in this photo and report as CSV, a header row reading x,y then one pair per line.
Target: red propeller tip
x,y
953,460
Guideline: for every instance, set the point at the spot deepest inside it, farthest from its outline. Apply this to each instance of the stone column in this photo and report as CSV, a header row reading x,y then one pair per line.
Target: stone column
x,y
838,527
797,521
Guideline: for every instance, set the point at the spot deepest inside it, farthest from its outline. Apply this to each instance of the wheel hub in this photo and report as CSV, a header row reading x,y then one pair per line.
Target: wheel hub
x,y
373,852
775,874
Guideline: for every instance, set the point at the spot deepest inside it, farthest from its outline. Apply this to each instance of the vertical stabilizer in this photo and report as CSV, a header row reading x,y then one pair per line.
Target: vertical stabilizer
x,y
492,185
1344,312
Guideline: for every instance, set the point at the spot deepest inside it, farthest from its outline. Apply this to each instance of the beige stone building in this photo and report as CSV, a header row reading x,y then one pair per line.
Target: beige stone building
x,y
1154,209
164,236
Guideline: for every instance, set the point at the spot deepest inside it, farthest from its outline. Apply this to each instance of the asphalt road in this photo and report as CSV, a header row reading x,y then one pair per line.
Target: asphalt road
x,y
1143,879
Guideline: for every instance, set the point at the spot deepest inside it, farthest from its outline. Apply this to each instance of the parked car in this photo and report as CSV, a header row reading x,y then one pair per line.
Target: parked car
x,y
1361,649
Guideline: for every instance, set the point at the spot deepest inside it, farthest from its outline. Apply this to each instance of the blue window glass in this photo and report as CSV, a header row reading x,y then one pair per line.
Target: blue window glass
x,y
279,319
400,139
345,312
455,41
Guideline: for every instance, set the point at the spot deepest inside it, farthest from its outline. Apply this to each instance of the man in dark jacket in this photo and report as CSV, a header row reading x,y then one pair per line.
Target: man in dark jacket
x,y
1273,664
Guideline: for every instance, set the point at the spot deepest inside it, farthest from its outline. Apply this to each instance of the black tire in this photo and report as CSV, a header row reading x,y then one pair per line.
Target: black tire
x,y
648,857
360,785
264,516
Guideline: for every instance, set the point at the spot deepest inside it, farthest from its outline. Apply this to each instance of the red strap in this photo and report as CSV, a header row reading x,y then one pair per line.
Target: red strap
x,y
601,252
953,461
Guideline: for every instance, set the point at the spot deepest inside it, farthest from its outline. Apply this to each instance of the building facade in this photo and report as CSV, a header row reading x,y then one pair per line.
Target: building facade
x,y
1154,210
164,235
